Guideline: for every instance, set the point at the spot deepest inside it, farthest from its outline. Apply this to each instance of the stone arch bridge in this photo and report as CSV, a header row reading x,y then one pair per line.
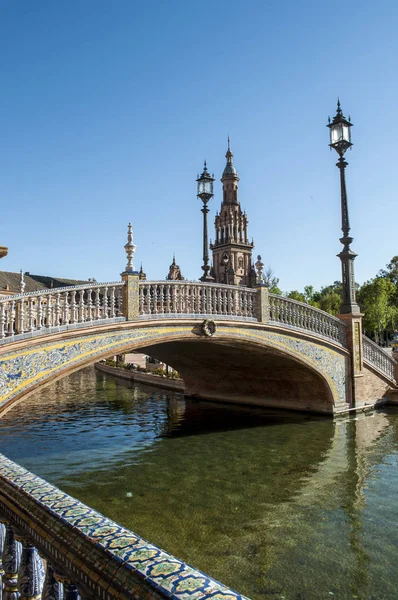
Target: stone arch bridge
x,y
229,343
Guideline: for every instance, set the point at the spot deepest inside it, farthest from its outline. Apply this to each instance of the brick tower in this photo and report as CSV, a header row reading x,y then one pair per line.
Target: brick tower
x,y
232,251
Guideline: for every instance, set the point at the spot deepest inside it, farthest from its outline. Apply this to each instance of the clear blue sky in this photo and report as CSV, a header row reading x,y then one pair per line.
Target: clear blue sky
x,y
109,108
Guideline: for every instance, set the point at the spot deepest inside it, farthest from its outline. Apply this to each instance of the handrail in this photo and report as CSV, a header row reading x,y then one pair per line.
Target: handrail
x,y
378,358
87,555
306,317
44,310
57,309
196,298
58,290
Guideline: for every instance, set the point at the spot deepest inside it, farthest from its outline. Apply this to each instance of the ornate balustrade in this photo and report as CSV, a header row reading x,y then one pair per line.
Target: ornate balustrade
x,y
378,358
52,309
159,298
85,554
302,316
25,315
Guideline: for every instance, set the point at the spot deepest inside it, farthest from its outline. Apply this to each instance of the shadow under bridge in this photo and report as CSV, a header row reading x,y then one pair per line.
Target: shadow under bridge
x,y
245,373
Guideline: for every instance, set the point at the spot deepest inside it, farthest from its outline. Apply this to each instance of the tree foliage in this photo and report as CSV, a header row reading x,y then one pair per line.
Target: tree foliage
x,y
377,300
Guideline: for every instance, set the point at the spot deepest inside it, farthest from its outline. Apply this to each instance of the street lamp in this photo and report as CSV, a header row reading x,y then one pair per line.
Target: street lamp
x,y
205,192
340,140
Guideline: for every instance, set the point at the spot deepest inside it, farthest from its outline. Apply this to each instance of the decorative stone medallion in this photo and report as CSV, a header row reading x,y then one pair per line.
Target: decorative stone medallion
x,y
208,328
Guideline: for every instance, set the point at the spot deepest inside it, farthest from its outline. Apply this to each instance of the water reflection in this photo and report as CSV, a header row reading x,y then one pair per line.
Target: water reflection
x,y
273,504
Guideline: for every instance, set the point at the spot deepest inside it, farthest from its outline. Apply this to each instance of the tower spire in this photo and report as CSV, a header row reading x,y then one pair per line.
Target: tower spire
x,y
229,167
232,251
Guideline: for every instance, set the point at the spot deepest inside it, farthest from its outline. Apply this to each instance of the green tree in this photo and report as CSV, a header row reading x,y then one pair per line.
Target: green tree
x,y
271,281
295,295
330,302
391,271
309,293
377,300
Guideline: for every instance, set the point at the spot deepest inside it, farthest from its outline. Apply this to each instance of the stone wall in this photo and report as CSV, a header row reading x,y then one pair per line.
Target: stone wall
x,y
371,387
167,383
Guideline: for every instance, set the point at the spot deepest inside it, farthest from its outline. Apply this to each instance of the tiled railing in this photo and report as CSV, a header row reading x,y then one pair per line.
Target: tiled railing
x,y
60,307
192,298
86,555
302,316
378,358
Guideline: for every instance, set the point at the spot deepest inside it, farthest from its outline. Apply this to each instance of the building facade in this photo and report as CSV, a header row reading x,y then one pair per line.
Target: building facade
x,y
232,251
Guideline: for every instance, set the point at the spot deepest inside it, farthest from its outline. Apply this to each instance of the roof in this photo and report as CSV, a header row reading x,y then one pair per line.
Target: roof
x,y
55,282
10,282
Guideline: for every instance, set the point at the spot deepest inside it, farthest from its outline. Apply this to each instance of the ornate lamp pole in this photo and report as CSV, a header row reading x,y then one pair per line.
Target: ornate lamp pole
x,y
340,140
205,192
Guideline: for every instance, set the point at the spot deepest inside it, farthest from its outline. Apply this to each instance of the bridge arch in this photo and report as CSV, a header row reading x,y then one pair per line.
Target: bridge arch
x,y
252,359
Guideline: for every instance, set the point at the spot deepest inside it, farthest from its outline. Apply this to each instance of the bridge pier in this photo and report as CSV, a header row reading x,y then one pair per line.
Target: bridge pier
x,y
131,295
353,323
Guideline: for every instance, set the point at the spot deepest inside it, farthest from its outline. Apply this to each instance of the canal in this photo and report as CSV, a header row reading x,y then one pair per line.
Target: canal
x,y
275,505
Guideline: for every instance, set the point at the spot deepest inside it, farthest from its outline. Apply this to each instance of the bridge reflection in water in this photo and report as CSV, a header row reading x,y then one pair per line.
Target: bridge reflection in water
x,y
271,504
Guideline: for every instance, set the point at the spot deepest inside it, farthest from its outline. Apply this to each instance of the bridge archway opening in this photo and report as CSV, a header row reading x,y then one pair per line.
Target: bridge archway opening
x,y
245,373
233,366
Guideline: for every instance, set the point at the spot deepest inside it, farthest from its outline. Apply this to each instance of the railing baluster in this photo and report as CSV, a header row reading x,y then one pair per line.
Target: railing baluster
x,y
168,298
11,318
39,324
57,309
52,589
31,572
49,312
71,592
105,314
3,320
81,309
11,561
2,538
161,298
112,303
90,306
97,304
155,300
65,312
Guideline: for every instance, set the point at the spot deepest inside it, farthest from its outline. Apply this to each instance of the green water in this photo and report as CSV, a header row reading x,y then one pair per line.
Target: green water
x,y
276,505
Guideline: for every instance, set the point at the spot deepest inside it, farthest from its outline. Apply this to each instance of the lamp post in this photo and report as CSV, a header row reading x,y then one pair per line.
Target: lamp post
x,y
340,140
205,192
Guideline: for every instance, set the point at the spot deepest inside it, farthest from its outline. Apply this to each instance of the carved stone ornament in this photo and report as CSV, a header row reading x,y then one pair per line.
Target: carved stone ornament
x,y
208,328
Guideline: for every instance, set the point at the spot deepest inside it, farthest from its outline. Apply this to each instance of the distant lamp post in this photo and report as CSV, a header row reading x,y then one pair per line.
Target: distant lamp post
x,y
205,192
340,140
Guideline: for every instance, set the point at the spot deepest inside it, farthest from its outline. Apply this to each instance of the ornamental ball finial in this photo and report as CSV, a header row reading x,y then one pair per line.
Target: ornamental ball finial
x,y
259,268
